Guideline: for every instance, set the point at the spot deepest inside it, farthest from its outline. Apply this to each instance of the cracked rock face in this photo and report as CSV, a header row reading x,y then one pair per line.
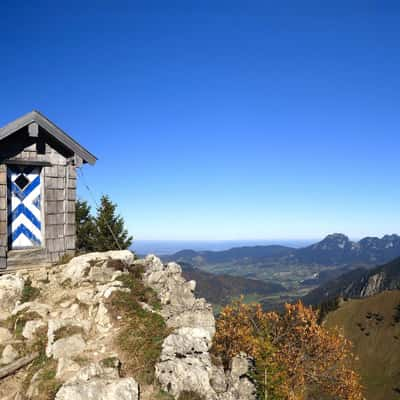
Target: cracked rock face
x,y
185,362
95,382
180,306
11,287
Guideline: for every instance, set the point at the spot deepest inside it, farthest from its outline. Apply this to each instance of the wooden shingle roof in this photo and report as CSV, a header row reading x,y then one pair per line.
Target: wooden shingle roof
x,y
52,129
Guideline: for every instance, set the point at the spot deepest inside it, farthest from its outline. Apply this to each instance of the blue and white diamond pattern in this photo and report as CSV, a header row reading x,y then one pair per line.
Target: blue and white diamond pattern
x,y
24,215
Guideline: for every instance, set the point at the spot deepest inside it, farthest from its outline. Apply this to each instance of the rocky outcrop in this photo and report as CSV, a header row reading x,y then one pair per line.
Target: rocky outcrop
x,y
71,315
185,363
180,307
11,287
374,285
95,382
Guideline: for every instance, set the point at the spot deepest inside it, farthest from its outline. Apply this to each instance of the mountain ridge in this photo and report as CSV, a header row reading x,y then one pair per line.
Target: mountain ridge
x,y
335,249
358,283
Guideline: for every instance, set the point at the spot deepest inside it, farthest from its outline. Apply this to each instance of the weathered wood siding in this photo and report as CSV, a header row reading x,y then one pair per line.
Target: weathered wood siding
x,y
59,193
3,216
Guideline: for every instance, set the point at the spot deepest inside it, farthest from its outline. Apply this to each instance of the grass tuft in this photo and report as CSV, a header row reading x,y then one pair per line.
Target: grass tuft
x,y
190,396
67,331
29,292
141,332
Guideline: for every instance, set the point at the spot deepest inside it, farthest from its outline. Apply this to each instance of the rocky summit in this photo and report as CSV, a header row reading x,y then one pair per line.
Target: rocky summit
x,y
107,326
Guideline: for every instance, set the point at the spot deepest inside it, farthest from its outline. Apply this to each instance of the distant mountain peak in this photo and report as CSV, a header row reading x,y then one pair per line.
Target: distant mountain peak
x,y
333,241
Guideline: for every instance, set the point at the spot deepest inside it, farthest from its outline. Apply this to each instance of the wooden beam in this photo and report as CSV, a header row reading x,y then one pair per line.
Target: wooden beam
x,y
28,162
16,365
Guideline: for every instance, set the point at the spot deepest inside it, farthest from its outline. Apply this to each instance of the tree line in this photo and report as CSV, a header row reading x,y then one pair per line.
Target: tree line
x,y
103,231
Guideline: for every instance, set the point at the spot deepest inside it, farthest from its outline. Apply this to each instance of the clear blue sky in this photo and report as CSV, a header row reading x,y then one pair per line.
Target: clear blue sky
x,y
220,119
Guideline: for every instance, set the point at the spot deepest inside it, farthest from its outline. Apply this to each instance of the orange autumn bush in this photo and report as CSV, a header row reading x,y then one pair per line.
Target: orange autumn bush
x,y
295,357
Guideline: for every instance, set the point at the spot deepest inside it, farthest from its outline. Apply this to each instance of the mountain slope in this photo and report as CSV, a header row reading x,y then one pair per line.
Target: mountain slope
x,y
358,283
373,326
338,249
247,254
220,289
335,250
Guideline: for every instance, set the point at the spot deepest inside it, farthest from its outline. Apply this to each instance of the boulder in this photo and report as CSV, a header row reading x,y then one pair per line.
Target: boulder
x,y
5,335
31,327
11,287
100,389
9,355
185,364
66,368
96,382
68,347
33,306
93,266
55,324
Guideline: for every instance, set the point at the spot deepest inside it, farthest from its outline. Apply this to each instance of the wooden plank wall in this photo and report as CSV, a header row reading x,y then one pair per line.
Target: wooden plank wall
x,y
3,216
59,192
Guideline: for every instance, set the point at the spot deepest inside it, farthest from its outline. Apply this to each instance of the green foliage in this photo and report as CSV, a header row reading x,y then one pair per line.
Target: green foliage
x,y
110,362
110,228
102,231
161,395
190,396
66,331
267,374
30,292
21,319
85,227
326,307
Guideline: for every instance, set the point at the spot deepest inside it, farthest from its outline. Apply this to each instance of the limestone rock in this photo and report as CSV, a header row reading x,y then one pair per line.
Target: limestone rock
x,y
93,266
99,389
5,335
55,324
66,368
9,355
240,387
31,327
180,307
375,282
68,347
96,382
11,287
33,306
102,319
185,364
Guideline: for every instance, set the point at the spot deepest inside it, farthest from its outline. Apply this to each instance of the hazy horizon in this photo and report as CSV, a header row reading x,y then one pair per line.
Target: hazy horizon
x,y
168,246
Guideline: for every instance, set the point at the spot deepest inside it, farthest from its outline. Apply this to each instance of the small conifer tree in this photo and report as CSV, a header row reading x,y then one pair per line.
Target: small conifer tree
x,y
85,227
111,233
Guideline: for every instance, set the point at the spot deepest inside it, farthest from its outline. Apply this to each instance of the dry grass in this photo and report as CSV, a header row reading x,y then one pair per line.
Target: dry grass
x,y
142,332
47,383
29,292
67,331
371,326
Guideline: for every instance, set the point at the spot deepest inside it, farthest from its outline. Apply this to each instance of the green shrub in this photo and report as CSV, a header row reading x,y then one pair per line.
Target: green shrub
x,y
29,292
190,396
